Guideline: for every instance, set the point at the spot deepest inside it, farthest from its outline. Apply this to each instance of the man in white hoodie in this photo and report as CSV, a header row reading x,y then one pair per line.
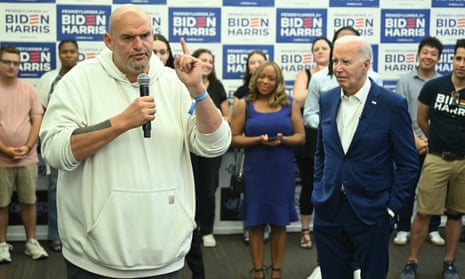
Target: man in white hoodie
x,y
126,202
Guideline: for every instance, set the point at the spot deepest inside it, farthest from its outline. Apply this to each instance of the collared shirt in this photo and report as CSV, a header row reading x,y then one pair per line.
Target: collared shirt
x,y
349,113
409,86
319,84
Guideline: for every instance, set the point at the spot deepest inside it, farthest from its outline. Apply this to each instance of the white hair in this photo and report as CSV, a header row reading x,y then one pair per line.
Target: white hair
x,y
363,45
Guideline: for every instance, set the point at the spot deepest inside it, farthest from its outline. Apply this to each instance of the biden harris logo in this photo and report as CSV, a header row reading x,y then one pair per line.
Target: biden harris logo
x,y
26,21
236,59
365,25
397,61
404,26
36,58
447,26
86,23
195,24
297,25
239,25
445,64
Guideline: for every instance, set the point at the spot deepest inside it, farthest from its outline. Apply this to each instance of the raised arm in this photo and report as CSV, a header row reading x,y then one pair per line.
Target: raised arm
x,y
189,71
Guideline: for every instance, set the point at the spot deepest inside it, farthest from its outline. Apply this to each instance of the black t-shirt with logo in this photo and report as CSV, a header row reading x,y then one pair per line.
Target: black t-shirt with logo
x,y
446,115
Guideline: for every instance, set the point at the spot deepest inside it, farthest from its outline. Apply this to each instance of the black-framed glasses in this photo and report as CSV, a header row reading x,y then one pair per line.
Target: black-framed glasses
x,y
10,62
454,98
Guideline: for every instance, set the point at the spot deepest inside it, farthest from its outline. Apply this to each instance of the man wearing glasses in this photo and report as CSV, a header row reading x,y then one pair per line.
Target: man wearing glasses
x,y
20,118
441,116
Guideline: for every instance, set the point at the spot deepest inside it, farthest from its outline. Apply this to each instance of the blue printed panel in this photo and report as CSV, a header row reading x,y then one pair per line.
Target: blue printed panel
x,y
82,23
300,25
354,3
235,58
246,3
448,3
404,26
36,58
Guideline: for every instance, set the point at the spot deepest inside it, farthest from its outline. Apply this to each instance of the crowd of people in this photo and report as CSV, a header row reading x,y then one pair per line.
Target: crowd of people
x,y
360,150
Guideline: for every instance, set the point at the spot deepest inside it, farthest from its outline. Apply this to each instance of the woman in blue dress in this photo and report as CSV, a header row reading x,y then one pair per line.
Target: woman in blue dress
x,y
268,125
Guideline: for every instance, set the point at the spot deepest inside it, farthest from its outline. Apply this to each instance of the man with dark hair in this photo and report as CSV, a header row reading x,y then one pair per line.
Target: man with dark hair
x,y
68,53
441,116
21,115
409,86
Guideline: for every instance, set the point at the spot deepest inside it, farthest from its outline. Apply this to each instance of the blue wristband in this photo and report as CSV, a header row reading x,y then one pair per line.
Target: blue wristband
x,y
196,100
201,97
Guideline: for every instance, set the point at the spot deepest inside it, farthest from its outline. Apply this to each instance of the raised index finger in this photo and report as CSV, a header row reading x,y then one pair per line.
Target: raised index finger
x,y
184,47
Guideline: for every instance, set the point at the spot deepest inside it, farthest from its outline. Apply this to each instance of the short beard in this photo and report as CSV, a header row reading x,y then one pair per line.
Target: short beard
x,y
138,68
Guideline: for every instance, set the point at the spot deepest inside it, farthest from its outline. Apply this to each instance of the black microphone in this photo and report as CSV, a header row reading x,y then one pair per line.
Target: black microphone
x,y
144,82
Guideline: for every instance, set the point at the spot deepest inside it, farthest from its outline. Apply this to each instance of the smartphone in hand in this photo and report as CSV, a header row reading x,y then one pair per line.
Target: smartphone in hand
x,y
272,138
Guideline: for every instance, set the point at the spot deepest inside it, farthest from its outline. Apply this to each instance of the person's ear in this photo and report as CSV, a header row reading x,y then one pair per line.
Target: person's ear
x,y
107,40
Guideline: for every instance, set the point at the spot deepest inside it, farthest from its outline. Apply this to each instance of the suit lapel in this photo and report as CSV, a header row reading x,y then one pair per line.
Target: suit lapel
x,y
371,106
334,107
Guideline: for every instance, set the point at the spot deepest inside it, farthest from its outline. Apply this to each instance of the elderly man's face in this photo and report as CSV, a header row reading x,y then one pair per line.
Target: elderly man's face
x,y
349,67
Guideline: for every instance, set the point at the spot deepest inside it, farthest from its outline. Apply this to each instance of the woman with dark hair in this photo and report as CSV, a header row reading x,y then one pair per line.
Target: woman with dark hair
x,y
206,170
162,49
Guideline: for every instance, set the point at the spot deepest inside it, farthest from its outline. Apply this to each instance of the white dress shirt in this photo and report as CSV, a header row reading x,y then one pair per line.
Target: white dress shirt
x,y
349,114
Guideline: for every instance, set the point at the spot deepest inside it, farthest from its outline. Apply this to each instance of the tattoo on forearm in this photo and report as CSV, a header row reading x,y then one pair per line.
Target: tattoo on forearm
x,y
100,126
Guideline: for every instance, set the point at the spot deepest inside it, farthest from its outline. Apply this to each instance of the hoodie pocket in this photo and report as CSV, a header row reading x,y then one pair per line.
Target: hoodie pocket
x,y
139,230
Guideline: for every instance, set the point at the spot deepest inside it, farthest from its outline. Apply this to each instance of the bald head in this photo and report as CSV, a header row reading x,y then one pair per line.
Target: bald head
x,y
123,12
130,38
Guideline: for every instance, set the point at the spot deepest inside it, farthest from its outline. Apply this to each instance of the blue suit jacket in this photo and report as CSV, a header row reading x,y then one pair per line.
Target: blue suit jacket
x,y
381,164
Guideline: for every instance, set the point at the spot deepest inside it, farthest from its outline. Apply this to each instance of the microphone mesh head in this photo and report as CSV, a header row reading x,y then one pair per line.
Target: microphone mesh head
x,y
143,79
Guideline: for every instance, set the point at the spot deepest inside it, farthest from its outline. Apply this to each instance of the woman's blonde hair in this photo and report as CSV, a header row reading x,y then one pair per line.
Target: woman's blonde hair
x,y
279,95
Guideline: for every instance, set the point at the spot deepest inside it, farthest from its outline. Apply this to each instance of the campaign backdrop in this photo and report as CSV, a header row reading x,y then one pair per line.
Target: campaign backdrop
x,y
283,29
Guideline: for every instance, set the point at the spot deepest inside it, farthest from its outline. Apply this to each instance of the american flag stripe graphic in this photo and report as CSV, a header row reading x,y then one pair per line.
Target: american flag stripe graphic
x,y
34,19
411,22
34,56
461,22
359,22
254,22
307,58
410,58
91,20
201,21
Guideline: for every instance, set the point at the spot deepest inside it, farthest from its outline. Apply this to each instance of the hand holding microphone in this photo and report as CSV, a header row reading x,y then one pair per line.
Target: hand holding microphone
x,y
144,85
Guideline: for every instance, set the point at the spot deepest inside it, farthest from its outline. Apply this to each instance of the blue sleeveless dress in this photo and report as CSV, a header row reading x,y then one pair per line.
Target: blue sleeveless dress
x,y
269,172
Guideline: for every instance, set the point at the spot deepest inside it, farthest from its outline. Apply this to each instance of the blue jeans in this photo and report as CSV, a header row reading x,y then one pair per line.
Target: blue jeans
x,y
52,205
75,272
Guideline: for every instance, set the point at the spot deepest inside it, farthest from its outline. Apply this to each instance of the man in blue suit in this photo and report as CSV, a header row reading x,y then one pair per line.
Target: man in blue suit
x,y
365,166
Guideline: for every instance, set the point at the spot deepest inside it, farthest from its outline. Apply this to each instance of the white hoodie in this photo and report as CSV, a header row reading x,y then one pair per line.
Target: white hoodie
x,y
128,210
